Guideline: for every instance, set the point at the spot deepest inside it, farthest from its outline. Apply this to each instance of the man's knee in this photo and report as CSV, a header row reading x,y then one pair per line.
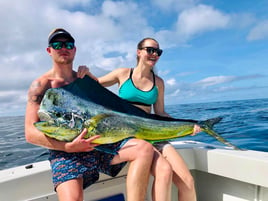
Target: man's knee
x,y
70,190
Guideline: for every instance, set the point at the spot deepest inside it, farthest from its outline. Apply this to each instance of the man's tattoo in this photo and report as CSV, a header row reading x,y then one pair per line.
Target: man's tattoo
x,y
36,98
35,85
34,95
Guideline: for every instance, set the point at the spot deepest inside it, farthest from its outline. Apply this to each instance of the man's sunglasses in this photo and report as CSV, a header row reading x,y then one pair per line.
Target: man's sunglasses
x,y
59,44
151,50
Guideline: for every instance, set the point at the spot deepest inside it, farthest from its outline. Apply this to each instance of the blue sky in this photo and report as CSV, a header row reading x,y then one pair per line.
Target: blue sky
x,y
214,50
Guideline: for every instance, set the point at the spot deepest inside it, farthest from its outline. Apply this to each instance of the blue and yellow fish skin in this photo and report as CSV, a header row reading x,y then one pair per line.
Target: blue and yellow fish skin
x,y
63,116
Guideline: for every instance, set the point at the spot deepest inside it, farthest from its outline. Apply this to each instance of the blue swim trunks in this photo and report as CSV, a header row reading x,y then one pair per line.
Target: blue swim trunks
x,y
87,165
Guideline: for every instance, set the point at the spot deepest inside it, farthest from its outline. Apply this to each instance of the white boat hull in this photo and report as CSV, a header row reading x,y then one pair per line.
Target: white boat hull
x,y
220,175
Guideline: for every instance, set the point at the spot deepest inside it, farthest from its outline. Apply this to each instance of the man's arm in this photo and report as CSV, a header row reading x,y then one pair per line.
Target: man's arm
x,y
34,136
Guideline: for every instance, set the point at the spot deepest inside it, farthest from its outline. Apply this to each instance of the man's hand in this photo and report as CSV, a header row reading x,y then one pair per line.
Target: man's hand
x,y
80,144
84,70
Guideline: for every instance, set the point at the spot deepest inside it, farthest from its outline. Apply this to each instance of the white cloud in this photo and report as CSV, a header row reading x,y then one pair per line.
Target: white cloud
x,y
242,20
214,80
175,93
101,28
171,82
200,19
117,9
13,102
174,5
193,21
162,73
179,92
183,74
259,32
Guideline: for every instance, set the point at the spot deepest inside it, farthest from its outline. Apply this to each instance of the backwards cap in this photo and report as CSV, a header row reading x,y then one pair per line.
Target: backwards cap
x,y
59,32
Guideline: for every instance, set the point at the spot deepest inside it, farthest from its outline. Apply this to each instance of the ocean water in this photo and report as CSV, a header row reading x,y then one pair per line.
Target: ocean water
x,y
244,123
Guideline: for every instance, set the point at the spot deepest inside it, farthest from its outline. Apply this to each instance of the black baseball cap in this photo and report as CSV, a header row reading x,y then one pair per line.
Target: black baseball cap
x,y
59,32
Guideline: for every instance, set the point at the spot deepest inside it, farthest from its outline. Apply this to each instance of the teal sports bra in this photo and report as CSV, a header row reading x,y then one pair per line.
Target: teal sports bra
x,y
132,94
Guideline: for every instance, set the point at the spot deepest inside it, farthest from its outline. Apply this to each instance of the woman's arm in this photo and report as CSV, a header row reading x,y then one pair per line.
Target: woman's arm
x,y
159,106
116,76
110,78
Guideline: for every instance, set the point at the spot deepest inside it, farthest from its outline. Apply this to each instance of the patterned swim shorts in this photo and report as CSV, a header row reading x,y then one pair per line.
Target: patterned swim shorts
x,y
86,165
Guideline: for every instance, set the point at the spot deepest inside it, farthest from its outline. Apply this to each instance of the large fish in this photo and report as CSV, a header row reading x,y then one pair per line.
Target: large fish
x,y
64,112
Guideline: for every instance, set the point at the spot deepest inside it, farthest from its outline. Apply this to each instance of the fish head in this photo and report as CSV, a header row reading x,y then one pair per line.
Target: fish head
x,y
54,99
62,119
60,108
61,133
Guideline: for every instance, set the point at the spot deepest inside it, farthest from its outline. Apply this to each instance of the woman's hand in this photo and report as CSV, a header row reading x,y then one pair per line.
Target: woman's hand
x,y
84,70
197,129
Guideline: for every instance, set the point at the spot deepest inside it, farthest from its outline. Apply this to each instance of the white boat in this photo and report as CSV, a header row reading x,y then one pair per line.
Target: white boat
x,y
220,174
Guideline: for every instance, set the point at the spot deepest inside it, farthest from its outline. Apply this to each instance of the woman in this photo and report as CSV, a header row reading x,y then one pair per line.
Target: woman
x,y
141,87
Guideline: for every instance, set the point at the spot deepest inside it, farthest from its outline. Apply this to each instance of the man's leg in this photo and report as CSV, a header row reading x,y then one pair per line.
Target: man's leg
x,y
140,155
71,190
68,170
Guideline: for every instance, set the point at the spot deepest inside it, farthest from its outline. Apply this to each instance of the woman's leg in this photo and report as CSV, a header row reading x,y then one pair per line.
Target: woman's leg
x,y
140,155
162,172
182,177
71,190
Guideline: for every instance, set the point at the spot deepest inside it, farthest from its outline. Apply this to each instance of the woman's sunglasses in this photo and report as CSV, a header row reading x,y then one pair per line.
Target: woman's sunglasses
x,y
151,50
59,44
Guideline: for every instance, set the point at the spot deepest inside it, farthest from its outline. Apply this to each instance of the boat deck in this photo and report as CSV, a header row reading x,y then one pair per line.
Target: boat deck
x,y
220,175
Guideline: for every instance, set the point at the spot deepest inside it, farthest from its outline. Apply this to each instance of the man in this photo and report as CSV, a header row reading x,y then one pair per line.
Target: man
x,y
76,165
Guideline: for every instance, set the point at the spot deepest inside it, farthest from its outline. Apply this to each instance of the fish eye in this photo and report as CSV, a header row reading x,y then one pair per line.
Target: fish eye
x,y
68,116
57,114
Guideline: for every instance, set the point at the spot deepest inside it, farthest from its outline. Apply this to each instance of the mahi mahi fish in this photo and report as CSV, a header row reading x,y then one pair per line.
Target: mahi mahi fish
x,y
64,112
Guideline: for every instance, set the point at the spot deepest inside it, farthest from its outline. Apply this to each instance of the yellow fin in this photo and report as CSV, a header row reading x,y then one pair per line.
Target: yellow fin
x,y
92,123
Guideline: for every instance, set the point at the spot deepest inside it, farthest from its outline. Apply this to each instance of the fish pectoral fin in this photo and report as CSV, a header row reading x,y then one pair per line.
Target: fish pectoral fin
x,y
93,122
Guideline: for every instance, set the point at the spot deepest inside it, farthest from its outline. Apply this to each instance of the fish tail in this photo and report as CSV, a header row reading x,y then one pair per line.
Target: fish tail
x,y
211,122
207,126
